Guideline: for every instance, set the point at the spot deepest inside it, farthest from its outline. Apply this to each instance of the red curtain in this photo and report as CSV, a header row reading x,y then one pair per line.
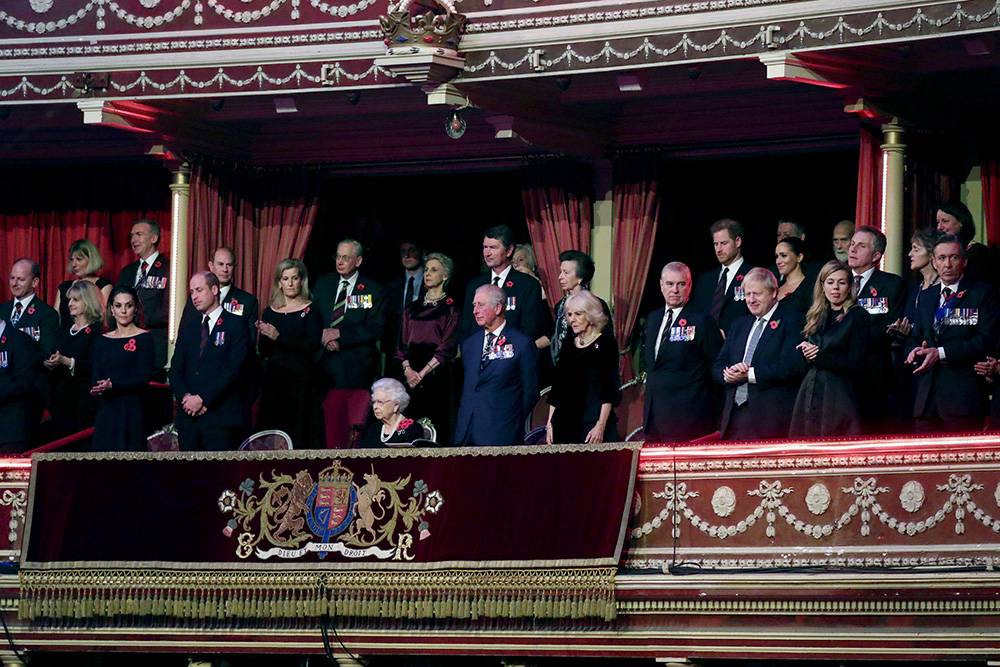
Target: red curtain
x,y
559,209
44,210
990,177
636,209
263,216
868,209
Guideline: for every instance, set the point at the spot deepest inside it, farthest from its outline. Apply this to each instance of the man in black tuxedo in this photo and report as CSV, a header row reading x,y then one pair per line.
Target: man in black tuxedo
x,y
25,311
956,326
523,307
148,275
353,307
19,357
719,292
401,291
758,364
883,295
500,386
681,345
205,371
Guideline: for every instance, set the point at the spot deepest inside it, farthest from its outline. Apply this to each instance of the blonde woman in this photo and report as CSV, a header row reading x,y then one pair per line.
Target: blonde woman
x,y
290,340
835,347
85,262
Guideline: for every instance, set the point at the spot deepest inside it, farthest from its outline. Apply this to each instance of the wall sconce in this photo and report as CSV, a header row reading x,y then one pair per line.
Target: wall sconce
x,y
455,125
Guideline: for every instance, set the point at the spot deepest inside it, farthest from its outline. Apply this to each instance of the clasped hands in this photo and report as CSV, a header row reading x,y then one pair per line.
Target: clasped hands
x,y
736,374
923,357
193,405
331,336
809,350
56,359
100,387
267,329
988,368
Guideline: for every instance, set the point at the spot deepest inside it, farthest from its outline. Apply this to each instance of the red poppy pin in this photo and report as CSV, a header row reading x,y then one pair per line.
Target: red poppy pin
x,y
360,286
31,310
774,324
87,330
234,302
130,345
682,322
449,301
304,311
873,291
502,341
510,283
158,264
3,340
218,321
739,277
960,294
403,425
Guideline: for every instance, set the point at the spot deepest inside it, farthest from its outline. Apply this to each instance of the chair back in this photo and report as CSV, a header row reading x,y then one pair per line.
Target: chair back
x,y
430,433
535,436
271,440
630,409
539,415
164,440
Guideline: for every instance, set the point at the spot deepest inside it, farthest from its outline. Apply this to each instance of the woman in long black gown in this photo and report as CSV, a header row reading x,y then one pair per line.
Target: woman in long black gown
x,y
836,335
84,263
69,367
585,386
122,367
427,345
290,338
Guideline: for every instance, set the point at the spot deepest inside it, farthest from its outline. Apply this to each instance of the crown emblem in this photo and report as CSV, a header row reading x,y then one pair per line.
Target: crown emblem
x,y
335,473
422,27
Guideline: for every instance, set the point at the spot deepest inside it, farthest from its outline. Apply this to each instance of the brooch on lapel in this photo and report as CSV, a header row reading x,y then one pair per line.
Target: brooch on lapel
x,y
87,330
682,322
304,311
403,425
158,264
510,283
130,345
360,286
739,277
873,291
774,324
960,294
449,301
31,310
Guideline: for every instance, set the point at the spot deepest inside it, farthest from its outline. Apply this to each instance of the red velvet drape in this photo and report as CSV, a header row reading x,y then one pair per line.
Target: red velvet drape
x,y
990,177
636,209
559,209
44,210
868,209
263,217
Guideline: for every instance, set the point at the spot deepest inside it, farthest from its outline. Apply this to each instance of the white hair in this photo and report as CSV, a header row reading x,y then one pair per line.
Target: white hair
x,y
494,294
395,390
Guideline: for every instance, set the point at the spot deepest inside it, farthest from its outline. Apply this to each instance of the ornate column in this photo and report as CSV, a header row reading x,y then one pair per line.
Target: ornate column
x,y
893,157
602,234
180,193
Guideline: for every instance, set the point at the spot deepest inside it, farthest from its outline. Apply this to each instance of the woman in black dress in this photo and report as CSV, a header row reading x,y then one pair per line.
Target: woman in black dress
x,y
427,344
122,367
794,290
835,347
390,428
69,367
290,340
84,262
585,387
955,218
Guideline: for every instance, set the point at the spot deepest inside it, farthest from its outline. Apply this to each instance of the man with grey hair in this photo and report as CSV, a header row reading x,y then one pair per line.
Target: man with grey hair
x,y
148,276
500,386
758,366
843,232
681,343
353,308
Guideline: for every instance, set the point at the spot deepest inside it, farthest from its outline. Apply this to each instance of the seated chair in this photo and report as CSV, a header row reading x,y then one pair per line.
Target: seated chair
x,y
270,440
629,411
539,415
164,440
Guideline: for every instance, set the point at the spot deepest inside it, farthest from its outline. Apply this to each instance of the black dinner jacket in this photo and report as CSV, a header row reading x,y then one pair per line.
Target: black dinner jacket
x,y
777,366
524,304
215,374
39,321
497,398
19,357
154,295
952,384
354,365
733,306
681,401
873,392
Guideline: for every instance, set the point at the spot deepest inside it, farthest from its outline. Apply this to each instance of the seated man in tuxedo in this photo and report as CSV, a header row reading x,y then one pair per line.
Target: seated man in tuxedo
x,y
148,275
523,306
758,364
500,386
25,311
681,345
719,292
883,295
19,356
205,371
353,308
956,326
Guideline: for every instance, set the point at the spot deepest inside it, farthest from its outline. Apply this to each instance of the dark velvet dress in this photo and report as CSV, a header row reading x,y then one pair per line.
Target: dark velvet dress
x,y
64,286
584,379
430,331
72,407
827,403
291,398
128,363
800,299
403,436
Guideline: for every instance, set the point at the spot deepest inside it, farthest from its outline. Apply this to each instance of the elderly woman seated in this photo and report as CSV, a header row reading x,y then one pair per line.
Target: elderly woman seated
x,y
390,427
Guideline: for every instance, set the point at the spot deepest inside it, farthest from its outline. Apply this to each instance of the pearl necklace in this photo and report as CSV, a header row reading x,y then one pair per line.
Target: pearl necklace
x,y
73,330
